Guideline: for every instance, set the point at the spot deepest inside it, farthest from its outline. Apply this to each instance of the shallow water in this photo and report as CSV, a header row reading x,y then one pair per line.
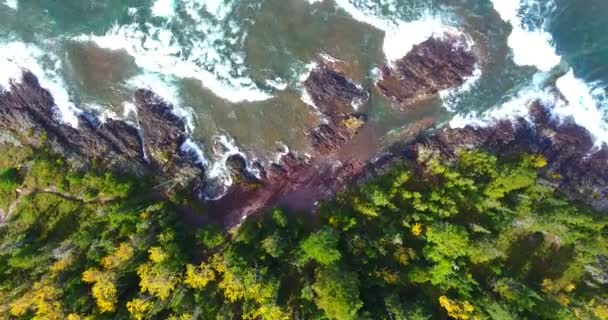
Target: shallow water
x,y
235,67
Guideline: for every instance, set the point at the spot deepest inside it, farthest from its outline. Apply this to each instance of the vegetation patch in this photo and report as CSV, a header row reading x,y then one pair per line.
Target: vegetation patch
x,y
479,238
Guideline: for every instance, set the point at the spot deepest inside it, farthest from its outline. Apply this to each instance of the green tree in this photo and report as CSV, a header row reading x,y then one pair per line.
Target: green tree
x,y
211,236
322,246
337,293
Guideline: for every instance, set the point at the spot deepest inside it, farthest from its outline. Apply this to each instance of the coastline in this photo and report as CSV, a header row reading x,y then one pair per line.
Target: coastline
x,y
158,144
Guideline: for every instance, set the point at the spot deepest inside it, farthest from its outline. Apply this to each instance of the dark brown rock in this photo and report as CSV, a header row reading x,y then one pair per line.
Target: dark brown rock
x,y
334,95
332,92
432,66
28,111
574,165
299,182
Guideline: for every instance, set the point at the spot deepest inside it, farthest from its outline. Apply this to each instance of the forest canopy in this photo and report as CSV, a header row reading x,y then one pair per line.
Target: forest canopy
x,y
476,238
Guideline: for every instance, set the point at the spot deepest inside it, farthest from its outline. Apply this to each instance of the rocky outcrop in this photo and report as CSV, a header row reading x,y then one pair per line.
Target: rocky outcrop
x,y
431,66
28,112
337,98
332,92
299,183
574,164
153,144
163,133
303,180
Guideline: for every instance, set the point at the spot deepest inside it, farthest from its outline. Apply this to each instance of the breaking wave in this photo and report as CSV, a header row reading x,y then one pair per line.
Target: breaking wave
x,y
218,175
532,45
401,34
13,4
17,57
586,103
189,40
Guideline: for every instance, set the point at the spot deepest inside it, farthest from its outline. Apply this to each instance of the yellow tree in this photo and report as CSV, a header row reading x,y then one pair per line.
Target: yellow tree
x,y
155,278
43,299
138,308
457,310
121,255
104,289
197,277
104,281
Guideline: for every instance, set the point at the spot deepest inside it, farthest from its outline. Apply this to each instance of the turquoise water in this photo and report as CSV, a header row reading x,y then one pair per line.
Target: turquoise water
x,y
581,37
235,68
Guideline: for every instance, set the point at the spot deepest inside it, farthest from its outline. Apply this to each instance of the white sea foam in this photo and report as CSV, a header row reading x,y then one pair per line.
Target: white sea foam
x,y
129,109
224,147
400,36
400,40
451,97
463,120
132,11
307,99
282,153
517,106
217,173
101,114
161,85
578,101
157,49
193,149
357,103
216,7
277,83
304,95
16,56
328,58
584,104
530,46
163,8
13,4
363,15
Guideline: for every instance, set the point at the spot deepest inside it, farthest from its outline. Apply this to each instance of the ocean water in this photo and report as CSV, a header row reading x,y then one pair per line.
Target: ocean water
x,y
234,68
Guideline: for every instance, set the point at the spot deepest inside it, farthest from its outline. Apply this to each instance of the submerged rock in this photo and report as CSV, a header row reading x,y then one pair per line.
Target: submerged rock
x,y
431,66
28,112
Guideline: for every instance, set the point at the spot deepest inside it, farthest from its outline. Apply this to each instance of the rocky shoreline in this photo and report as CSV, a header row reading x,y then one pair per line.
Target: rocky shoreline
x,y
153,144
298,183
575,165
150,146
